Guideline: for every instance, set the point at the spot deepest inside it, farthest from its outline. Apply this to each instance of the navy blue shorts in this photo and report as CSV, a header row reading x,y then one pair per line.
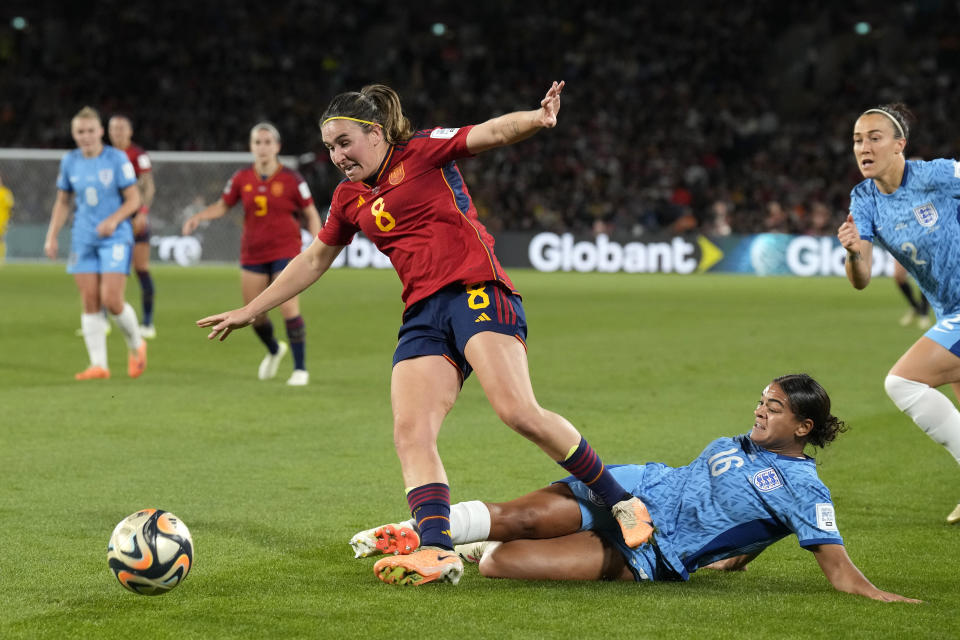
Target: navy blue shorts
x,y
269,268
441,324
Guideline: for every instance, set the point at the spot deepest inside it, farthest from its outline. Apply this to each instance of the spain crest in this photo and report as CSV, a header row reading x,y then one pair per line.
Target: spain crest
x,y
276,189
926,214
396,175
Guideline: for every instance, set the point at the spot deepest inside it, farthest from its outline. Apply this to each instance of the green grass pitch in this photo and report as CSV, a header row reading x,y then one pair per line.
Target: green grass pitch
x,y
273,481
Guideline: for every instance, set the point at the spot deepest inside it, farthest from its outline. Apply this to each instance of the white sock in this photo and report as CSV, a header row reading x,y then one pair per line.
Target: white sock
x,y
129,326
94,327
469,522
931,410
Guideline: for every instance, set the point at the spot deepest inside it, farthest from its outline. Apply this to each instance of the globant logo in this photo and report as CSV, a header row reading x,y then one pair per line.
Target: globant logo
x,y
824,256
184,250
551,252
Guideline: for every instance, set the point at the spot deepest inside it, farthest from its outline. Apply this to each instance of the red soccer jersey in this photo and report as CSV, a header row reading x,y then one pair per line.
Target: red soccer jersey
x,y
271,227
139,159
418,212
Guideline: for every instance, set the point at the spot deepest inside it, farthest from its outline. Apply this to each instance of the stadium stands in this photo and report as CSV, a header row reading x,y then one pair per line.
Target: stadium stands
x,y
669,116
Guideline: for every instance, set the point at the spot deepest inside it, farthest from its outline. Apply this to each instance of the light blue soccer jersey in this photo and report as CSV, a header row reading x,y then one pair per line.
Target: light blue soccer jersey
x,y
918,224
734,498
98,184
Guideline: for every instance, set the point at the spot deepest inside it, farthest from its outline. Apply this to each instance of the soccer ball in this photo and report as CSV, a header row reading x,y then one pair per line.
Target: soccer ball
x,y
150,552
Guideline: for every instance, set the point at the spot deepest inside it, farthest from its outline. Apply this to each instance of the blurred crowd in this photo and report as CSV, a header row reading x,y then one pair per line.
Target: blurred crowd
x,y
703,115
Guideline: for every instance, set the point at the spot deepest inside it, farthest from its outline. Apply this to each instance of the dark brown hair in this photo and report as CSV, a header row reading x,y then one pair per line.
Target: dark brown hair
x,y
900,114
809,400
375,103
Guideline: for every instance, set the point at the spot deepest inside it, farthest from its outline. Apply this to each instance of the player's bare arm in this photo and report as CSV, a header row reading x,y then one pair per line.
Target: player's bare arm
x,y
217,210
148,188
302,271
513,127
61,209
859,253
844,575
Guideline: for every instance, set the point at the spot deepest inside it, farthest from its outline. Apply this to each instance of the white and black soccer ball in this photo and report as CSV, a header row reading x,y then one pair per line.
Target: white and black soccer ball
x,y
150,552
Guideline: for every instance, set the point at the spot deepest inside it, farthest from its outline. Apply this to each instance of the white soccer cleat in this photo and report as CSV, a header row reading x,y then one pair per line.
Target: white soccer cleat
x,y
364,544
300,378
271,362
397,539
924,322
954,517
908,318
473,552
148,332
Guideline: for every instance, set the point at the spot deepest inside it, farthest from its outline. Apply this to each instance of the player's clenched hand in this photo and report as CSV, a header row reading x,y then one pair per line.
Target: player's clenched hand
x,y
222,324
107,227
550,105
50,248
848,235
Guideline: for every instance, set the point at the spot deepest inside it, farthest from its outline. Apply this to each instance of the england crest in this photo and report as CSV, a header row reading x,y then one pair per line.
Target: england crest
x,y
767,479
926,214
106,176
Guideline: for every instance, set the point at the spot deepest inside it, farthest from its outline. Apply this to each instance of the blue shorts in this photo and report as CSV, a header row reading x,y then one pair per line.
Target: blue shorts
x,y
645,561
106,255
441,324
270,268
946,333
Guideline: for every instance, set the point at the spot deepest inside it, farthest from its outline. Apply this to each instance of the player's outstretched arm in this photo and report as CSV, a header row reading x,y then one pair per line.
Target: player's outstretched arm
x,y
519,125
217,210
859,253
302,271
844,575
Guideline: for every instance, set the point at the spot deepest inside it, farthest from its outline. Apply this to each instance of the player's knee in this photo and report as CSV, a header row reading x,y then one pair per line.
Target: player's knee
x,y
902,391
515,522
410,435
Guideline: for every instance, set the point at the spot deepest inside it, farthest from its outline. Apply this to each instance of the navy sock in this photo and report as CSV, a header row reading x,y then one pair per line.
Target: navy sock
x,y
586,466
265,333
146,293
430,506
297,334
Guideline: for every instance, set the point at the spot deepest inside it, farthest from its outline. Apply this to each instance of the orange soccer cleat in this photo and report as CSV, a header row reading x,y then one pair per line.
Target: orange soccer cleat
x,y
398,539
137,360
634,520
93,373
427,564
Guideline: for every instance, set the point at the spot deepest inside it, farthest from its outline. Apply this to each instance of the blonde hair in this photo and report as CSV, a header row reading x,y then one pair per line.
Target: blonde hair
x,y
268,127
88,113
